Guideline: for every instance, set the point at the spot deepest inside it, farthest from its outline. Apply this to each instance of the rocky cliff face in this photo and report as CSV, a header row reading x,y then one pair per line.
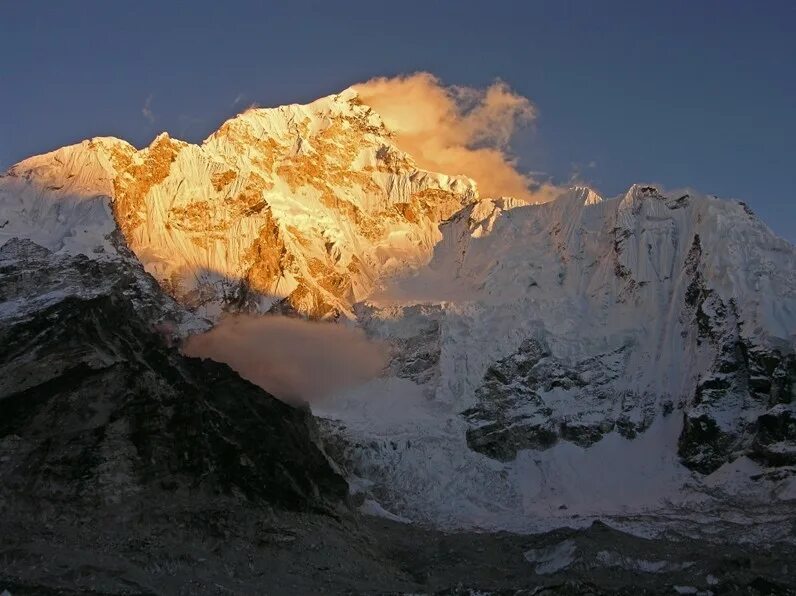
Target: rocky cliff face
x,y
725,311
584,345
97,405
299,208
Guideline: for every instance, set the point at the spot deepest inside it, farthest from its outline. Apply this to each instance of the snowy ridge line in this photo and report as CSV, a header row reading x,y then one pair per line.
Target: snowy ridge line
x,y
301,208
582,358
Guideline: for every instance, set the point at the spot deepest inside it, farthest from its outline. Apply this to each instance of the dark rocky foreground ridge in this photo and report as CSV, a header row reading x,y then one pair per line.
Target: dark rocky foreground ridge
x,y
127,468
97,406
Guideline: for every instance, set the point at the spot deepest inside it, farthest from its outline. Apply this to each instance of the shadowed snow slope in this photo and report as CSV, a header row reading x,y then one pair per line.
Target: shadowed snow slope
x,y
588,355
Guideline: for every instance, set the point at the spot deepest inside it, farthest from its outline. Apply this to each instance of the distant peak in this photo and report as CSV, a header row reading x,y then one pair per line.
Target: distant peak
x,y
644,190
347,95
106,141
587,195
580,195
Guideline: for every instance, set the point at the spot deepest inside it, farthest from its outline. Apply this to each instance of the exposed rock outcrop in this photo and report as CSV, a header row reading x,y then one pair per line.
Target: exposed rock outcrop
x,y
97,405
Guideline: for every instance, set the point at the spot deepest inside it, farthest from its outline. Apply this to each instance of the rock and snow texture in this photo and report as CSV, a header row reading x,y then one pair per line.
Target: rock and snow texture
x,y
61,200
583,356
98,406
307,206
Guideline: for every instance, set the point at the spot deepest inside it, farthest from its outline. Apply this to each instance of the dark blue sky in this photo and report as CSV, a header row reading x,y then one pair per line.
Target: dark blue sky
x,y
682,92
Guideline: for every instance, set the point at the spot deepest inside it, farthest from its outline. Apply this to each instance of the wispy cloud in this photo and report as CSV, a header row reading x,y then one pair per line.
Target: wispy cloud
x,y
582,173
240,97
146,111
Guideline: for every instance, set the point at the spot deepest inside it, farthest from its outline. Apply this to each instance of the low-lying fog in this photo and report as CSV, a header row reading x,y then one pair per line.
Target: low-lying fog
x,y
295,360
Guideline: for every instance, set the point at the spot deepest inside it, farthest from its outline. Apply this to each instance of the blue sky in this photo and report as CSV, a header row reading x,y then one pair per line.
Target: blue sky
x,y
694,93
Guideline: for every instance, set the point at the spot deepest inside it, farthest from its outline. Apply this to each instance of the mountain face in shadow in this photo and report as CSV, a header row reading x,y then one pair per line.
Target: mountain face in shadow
x,y
97,407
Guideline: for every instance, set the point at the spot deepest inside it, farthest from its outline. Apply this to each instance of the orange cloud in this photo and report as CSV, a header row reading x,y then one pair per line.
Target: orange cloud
x,y
458,130
295,360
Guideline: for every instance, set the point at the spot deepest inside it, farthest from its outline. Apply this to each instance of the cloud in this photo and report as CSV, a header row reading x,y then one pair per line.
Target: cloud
x,y
458,130
295,360
146,111
581,174
238,99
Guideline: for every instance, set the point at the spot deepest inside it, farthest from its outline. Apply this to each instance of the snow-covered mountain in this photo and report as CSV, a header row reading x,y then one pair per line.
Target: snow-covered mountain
x,y
583,356
578,357
308,206
585,316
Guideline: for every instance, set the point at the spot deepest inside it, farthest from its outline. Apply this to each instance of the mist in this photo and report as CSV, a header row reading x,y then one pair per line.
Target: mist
x,y
295,360
458,130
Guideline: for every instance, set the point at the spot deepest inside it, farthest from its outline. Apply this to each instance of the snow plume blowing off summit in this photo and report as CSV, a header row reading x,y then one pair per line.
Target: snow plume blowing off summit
x,y
458,130
295,360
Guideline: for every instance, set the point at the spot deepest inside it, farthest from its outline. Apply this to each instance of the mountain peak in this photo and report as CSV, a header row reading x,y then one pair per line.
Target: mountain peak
x,y
583,195
307,206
